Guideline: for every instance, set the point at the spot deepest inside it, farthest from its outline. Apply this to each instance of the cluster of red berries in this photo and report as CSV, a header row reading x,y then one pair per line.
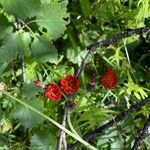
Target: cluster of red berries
x,y
69,85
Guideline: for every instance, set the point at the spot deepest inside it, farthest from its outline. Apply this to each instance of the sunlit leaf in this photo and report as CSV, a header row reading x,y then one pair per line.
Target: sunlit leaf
x,y
51,18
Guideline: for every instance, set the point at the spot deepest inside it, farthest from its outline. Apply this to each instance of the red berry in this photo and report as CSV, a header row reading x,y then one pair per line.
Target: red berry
x,y
53,92
110,79
70,84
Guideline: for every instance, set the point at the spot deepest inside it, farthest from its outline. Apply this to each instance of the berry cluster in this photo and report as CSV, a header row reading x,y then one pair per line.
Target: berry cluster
x,y
69,85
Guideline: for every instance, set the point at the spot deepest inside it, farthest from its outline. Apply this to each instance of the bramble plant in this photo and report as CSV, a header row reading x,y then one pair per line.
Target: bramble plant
x,y
74,74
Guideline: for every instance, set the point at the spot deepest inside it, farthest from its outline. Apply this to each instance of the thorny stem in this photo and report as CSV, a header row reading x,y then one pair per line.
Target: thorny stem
x,y
105,43
119,118
143,134
62,139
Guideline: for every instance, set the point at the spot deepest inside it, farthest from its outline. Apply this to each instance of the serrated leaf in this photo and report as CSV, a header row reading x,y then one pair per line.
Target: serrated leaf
x,y
51,18
43,50
5,26
43,140
30,90
21,8
14,43
27,117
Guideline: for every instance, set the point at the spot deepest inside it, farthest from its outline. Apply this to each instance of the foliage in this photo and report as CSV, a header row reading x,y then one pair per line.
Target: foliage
x,y
47,40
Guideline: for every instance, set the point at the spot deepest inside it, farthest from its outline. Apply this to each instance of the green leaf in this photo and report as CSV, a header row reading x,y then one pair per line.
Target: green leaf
x,y
5,26
76,57
27,117
43,50
51,18
30,90
86,7
2,68
15,43
21,8
31,69
43,140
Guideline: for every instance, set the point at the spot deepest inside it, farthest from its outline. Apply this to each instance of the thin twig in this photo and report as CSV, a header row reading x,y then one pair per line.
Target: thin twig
x,y
105,43
62,139
119,118
143,134
23,67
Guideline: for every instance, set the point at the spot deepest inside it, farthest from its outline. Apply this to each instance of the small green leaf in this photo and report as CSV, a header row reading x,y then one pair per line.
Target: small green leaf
x,y
43,50
27,117
43,140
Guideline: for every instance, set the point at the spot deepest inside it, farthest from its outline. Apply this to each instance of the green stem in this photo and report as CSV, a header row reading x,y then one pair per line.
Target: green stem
x,y
70,124
51,120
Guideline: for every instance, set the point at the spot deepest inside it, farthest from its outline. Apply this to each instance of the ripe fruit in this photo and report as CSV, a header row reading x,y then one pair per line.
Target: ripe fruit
x,y
70,84
53,92
110,79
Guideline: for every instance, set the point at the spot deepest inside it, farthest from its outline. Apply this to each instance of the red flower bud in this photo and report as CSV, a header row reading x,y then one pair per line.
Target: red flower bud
x,y
110,79
70,84
53,92
39,84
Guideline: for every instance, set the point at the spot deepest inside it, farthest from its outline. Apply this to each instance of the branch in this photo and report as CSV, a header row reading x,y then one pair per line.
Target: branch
x,y
62,139
23,67
101,130
143,134
105,43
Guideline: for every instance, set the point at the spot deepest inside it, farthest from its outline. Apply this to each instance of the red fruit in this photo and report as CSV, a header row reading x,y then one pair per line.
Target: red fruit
x,y
53,92
110,79
70,84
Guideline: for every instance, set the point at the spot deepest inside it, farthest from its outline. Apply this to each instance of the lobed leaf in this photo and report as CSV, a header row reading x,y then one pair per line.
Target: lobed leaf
x,y
51,18
27,117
